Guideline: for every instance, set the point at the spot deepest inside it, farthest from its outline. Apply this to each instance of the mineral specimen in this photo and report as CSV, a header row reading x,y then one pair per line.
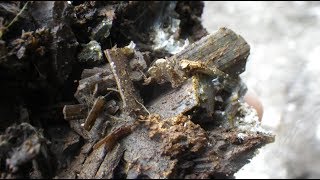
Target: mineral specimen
x,y
144,90
191,129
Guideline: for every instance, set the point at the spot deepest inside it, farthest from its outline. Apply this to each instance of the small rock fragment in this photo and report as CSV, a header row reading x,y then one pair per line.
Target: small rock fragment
x,y
176,101
112,107
102,30
86,92
77,111
91,54
110,163
92,163
131,100
97,108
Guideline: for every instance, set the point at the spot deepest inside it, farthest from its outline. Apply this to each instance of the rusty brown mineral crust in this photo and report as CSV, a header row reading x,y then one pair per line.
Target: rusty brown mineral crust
x,y
144,91
177,134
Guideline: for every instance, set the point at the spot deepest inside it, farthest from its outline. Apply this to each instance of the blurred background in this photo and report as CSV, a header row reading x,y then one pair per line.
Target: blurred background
x,y
284,71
